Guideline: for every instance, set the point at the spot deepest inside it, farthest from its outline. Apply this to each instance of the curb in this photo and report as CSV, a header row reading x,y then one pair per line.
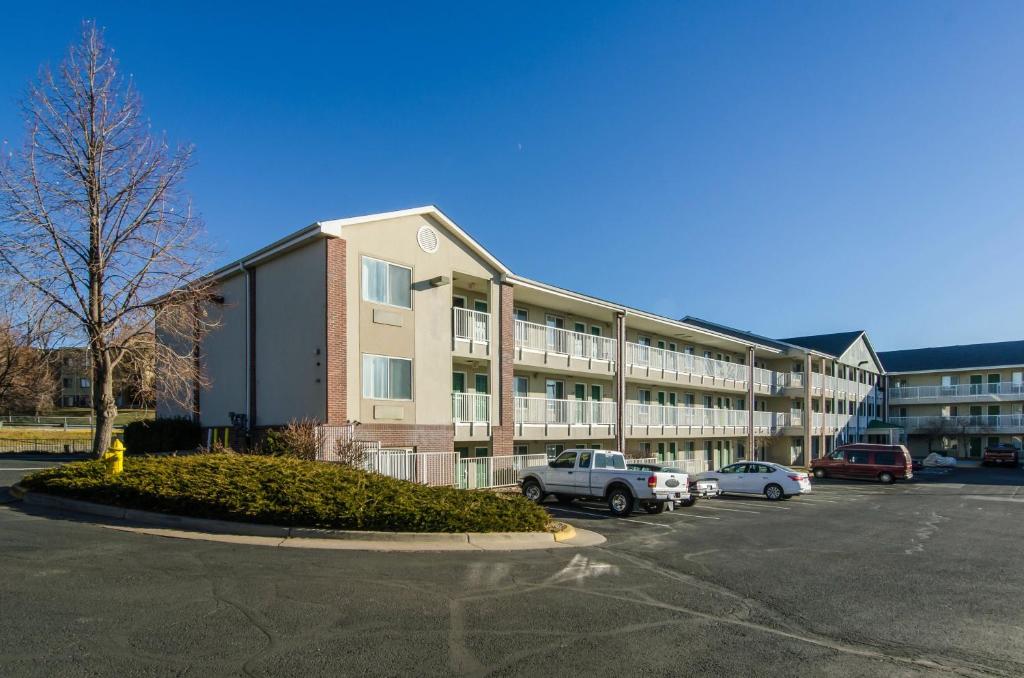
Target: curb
x,y
312,537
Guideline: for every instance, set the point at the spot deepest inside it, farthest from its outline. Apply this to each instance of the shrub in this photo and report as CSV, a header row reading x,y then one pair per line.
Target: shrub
x,y
289,491
161,435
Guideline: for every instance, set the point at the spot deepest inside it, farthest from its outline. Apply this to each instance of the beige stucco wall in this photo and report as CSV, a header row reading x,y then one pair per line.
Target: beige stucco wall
x,y
422,333
857,352
537,314
291,321
223,355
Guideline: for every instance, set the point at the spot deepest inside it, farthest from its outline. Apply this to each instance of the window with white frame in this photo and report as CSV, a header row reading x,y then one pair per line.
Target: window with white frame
x,y
387,378
387,283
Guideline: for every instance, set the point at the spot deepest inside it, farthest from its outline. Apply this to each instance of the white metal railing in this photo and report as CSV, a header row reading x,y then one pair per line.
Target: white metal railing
x,y
469,325
774,421
567,412
641,460
963,423
770,378
534,337
639,414
471,407
966,391
46,422
689,466
499,471
641,355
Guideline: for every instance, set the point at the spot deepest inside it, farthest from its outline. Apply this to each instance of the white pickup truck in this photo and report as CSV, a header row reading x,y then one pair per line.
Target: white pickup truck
x,y
602,474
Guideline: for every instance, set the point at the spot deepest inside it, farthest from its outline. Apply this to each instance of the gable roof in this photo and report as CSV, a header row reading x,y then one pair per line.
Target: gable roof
x,y
735,333
835,344
964,356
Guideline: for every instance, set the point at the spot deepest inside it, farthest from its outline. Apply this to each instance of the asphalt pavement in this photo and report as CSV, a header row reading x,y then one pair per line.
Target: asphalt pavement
x,y
920,578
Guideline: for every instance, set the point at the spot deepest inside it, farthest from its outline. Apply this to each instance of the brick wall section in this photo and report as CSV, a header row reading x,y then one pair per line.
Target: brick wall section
x,y
502,434
620,382
336,408
422,437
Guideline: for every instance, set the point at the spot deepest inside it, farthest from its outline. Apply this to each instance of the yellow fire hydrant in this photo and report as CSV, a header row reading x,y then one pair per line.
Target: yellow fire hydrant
x,y
114,457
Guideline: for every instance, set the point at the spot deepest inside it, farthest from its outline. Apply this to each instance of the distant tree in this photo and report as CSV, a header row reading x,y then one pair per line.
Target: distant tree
x,y
94,222
28,379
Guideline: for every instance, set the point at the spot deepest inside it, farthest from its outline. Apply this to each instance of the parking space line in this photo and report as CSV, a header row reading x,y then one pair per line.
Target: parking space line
x,y
608,516
693,515
722,508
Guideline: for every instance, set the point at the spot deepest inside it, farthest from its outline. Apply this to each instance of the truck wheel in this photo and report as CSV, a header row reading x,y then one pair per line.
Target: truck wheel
x,y
886,478
620,502
689,501
533,491
564,498
655,509
820,473
773,492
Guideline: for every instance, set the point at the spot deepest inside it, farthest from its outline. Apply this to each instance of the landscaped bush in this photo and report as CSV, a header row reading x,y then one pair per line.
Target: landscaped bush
x,y
161,435
288,491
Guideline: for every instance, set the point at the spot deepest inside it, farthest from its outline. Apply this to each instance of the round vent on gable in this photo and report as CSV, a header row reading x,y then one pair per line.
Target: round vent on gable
x,y
427,238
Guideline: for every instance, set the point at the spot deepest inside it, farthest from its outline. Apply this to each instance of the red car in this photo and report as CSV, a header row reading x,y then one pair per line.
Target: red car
x,y
884,463
998,455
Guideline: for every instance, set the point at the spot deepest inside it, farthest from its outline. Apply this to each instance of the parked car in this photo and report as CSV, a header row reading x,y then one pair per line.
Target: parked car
x,y
774,481
863,461
603,475
699,489
1000,455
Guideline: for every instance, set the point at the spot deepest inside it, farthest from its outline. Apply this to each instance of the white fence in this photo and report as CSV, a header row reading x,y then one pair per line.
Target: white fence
x,y
566,412
641,460
472,326
49,422
428,468
641,355
42,445
500,471
546,339
471,407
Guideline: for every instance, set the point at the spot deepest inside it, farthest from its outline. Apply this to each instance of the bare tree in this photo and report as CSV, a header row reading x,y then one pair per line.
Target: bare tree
x,y
93,220
28,379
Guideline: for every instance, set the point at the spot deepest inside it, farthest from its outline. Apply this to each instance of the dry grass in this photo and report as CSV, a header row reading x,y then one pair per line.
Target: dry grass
x,y
43,433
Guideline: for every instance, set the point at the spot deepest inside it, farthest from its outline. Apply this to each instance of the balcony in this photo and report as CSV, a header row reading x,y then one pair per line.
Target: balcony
x,y
471,414
471,333
992,392
973,423
537,418
685,369
836,385
562,350
827,422
656,421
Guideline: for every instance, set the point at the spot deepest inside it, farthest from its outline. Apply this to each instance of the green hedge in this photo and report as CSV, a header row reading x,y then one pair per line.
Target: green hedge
x,y
161,435
287,491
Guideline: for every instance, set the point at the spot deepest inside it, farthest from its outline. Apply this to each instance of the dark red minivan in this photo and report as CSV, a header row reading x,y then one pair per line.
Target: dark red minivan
x,y
862,461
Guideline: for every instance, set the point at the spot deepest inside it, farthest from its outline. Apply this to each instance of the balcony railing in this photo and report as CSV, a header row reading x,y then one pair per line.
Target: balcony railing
x,y
469,325
770,378
965,391
641,355
534,337
471,408
565,412
639,414
963,423
774,421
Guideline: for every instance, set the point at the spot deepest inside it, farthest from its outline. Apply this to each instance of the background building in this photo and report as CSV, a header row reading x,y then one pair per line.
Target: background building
x,y
958,399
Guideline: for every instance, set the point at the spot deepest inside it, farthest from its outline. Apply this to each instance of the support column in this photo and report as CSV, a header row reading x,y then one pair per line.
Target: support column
x,y
620,381
750,402
808,414
250,353
504,433
821,406
336,343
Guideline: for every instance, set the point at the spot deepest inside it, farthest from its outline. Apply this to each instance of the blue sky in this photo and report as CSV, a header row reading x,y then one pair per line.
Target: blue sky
x,y
788,168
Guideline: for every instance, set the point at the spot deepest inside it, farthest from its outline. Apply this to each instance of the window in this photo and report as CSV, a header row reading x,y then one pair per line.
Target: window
x,y
565,460
521,449
585,459
595,330
885,458
858,457
67,383
521,386
596,392
672,346
480,451
387,378
602,460
385,283
521,315
84,383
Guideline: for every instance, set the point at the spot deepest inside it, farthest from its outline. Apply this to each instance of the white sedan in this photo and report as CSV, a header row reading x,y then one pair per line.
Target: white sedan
x,y
774,481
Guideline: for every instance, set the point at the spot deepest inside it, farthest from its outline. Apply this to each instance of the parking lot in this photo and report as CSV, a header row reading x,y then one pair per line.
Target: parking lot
x,y
920,578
